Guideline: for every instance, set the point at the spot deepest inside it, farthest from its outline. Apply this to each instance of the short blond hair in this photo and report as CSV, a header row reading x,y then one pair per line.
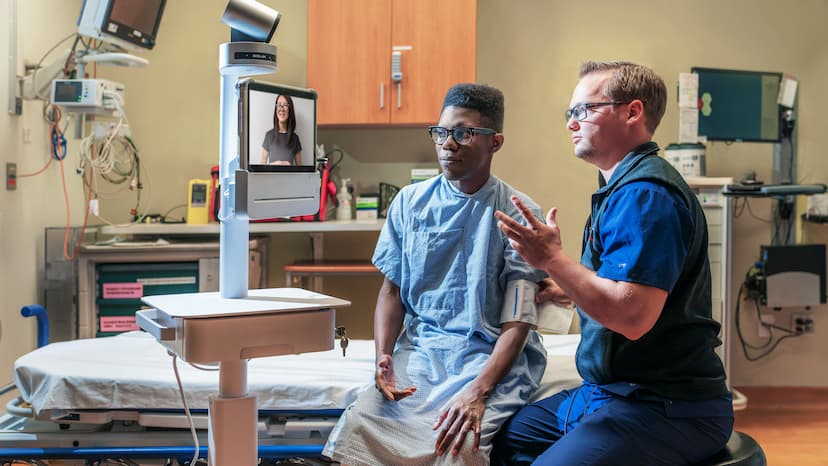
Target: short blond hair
x,y
629,82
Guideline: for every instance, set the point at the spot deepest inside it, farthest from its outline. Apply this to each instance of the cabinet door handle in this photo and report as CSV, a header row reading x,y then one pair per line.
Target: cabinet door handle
x,y
382,95
397,74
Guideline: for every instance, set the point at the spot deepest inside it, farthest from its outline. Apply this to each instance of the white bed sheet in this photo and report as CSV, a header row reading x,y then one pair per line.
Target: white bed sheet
x,y
133,371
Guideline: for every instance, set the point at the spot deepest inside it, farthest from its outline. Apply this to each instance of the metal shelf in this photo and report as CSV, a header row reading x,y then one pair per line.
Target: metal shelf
x,y
183,229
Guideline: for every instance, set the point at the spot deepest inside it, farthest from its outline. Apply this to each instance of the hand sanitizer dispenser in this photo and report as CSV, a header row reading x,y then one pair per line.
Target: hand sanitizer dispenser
x,y
343,210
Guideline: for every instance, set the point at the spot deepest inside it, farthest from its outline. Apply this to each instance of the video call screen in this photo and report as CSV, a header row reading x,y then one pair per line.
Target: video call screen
x,y
278,127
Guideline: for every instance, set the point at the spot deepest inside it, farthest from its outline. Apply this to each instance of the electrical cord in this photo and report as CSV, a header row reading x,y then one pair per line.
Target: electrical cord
x,y
165,216
184,400
783,222
71,56
572,401
58,152
35,91
115,152
204,368
57,139
332,166
144,184
770,345
41,170
91,46
770,326
123,164
744,342
339,160
186,408
68,228
115,158
790,157
737,209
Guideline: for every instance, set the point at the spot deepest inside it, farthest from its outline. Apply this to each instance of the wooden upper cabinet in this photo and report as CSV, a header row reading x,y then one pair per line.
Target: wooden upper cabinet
x,y
350,47
345,40
438,43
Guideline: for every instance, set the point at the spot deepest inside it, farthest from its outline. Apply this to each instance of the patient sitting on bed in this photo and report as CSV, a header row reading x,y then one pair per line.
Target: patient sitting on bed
x,y
462,364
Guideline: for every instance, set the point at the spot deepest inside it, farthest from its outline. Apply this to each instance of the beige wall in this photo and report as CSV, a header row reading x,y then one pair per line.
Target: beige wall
x,y
38,201
173,103
530,49
533,54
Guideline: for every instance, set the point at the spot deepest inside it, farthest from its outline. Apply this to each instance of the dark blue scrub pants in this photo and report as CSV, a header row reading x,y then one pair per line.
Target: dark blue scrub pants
x,y
590,426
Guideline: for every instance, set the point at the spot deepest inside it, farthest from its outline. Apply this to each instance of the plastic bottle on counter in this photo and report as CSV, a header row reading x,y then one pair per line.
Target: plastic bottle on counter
x,y
343,209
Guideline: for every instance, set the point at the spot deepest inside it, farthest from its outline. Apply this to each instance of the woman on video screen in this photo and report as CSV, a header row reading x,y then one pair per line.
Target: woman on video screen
x,y
281,144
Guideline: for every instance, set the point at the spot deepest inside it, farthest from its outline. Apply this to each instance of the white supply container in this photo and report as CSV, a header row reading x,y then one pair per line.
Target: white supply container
x,y
422,174
687,158
818,205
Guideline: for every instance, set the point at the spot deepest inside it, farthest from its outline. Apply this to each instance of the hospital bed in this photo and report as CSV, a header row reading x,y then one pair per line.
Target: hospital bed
x,y
115,400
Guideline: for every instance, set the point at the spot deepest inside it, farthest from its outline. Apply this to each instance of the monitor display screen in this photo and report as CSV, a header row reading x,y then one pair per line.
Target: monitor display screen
x,y
278,127
68,91
199,194
141,16
129,24
738,105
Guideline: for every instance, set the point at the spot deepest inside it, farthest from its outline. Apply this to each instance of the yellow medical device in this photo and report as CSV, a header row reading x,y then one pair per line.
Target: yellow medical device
x,y
198,202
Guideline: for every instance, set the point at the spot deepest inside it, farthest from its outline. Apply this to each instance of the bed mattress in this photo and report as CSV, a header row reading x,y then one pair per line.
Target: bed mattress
x,y
133,371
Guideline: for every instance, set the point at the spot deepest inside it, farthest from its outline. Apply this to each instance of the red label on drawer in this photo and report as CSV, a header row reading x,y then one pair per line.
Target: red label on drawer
x,y
123,290
118,324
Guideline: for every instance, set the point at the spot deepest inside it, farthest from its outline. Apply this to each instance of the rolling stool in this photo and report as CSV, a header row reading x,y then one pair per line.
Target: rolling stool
x,y
741,450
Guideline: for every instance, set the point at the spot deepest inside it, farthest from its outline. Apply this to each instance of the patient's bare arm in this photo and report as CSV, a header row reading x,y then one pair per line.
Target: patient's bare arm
x,y
388,318
465,411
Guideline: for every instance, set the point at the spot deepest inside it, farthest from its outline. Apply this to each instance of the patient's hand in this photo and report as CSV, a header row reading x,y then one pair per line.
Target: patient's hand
x,y
386,382
550,291
461,415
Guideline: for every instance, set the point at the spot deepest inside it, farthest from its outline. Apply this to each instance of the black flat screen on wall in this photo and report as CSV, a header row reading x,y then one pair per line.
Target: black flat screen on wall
x,y
737,105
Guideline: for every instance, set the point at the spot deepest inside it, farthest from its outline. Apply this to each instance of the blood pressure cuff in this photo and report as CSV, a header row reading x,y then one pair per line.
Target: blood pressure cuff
x,y
519,303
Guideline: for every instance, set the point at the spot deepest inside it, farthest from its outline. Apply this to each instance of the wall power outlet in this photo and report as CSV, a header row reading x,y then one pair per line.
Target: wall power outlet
x,y
802,323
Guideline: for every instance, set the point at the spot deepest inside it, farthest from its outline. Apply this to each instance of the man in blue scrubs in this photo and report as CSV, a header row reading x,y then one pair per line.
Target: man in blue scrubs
x,y
454,358
654,390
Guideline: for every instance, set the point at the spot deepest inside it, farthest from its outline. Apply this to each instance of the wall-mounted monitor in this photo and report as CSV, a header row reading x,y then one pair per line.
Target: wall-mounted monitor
x,y
131,24
736,105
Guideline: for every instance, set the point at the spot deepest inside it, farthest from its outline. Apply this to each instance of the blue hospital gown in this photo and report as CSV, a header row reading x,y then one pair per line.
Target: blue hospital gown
x,y
444,250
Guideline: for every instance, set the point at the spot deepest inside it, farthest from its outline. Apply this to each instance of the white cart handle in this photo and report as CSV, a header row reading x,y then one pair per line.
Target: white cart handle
x,y
146,320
